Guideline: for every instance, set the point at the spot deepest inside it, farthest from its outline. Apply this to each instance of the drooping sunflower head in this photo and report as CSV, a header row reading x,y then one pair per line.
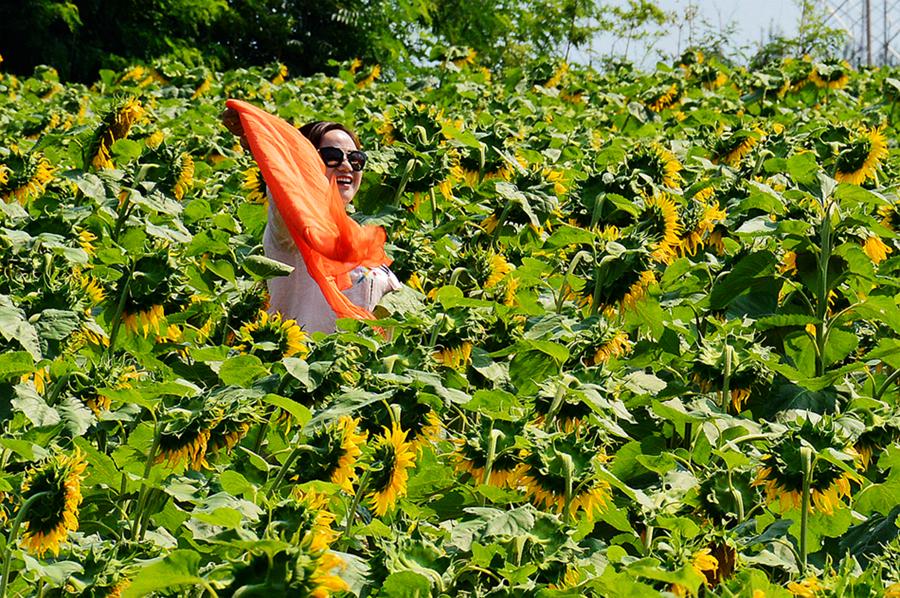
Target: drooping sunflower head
x,y
304,520
598,341
831,74
860,158
115,124
101,375
24,176
699,220
392,457
658,221
338,447
621,279
565,465
271,338
559,407
255,186
473,448
184,442
781,474
704,565
883,433
732,147
662,96
746,360
656,163
152,282
416,416
49,520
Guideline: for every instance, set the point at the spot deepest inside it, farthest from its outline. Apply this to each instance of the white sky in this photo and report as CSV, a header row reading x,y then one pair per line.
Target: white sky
x,y
752,20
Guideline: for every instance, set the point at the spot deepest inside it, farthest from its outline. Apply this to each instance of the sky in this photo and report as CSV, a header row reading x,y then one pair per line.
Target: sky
x,y
752,20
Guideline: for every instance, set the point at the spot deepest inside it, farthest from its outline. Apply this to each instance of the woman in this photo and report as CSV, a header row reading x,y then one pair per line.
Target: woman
x,y
302,295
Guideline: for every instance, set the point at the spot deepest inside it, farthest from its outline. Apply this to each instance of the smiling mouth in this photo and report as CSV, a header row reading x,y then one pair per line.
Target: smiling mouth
x,y
344,180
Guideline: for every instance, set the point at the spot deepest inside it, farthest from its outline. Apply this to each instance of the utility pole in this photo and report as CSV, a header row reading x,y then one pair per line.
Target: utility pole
x,y
870,40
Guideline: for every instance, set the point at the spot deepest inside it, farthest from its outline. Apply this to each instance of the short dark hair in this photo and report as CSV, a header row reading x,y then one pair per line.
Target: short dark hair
x,y
314,131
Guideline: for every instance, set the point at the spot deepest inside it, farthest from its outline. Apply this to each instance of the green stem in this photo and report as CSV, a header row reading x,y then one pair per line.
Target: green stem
x,y
434,210
145,489
491,455
10,540
884,386
287,464
407,172
351,514
806,464
120,307
561,297
570,474
726,380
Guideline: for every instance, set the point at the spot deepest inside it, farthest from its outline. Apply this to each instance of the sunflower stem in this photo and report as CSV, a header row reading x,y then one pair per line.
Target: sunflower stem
x,y
10,540
287,464
351,514
117,317
884,386
145,489
491,455
407,172
822,287
565,286
434,210
807,465
726,379
570,474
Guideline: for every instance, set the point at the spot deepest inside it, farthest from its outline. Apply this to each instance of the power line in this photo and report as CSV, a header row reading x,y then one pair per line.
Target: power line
x,y
872,27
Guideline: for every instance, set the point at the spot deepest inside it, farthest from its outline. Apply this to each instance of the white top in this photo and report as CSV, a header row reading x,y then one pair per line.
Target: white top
x,y
298,297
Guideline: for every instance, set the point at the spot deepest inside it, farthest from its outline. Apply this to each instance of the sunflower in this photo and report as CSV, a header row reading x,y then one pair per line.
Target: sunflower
x,y
615,347
497,270
270,338
731,148
50,519
255,185
782,474
392,456
418,418
86,241
370,77
337,451
457,357
661,98
155,139
186,446
471,454
659,221
700,221
305,518
280,76
227,433
890,216
832,74
658,163
805,588
874,439
571,408
876,249
26,176
144,321
704,564
90,286
39,377
542,474
324,581
116,125
747,369
861,157
184,166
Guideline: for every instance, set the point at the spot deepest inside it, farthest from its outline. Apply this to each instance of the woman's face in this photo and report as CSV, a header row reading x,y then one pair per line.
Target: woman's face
x,y
347,179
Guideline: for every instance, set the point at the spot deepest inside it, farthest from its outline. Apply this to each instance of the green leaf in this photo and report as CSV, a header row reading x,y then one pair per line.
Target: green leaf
x,y
803,168
125,150
57,324
741,278
300,413
242,370
178,568
264,268
497,404
406,584
33,406
14,326
14,364
880,309
101,468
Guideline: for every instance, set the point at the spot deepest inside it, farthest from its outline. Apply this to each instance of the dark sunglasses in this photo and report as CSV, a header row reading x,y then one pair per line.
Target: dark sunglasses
x,y
334,157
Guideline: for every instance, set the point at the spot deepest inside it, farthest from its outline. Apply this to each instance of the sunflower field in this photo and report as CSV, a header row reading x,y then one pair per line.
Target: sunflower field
x,y
648,344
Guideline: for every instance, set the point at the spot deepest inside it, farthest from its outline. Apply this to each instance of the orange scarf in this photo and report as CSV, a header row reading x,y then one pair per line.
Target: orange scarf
x,y
331,243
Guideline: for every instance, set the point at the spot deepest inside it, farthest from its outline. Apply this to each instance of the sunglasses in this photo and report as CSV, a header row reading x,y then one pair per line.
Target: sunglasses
x,y
334,157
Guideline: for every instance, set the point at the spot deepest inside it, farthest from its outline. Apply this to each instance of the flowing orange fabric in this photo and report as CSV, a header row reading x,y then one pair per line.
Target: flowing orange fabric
x,y
331,242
